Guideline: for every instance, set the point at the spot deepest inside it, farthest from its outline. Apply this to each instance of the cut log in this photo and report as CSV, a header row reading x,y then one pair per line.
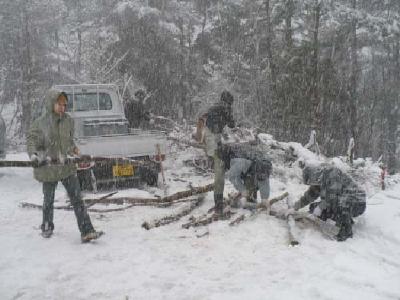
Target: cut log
x,y
174,217
328,230
206,219
293,240
258,208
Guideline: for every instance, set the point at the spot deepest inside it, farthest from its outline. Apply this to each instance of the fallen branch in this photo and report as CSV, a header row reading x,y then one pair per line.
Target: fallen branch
x,y
110,210
293,240
174,217
63,207
186,142
259,208
38,206
66,207
151,201
237,220
168,200
206,219
328,230
102,198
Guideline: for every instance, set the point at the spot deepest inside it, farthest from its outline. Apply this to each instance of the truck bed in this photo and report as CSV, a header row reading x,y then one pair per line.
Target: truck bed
x,y
137,143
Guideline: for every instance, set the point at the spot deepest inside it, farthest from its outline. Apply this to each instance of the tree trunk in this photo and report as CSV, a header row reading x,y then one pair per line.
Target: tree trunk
x,y
394,111
26,75
274,111
315,97
353,80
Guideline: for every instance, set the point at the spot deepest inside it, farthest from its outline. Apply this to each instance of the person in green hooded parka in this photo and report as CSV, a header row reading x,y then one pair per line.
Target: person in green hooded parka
x,y
50,139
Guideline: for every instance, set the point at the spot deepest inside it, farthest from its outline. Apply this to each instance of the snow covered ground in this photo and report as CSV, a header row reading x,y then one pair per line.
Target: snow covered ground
x,y
249,261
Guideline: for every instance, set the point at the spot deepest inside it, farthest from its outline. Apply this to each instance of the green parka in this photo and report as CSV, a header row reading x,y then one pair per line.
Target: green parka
x,y
52,136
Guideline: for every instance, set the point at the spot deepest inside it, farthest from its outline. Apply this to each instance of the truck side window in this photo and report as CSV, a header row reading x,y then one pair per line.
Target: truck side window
x,y
105,102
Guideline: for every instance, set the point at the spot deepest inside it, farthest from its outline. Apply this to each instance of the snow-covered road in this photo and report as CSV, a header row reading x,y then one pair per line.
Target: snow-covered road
x,y
250,261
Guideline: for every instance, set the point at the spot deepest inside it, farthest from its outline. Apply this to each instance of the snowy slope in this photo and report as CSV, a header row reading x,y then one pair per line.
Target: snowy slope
x,y
249,261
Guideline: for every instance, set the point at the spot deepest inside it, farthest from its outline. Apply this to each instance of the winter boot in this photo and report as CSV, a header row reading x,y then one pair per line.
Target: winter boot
x,y
92,235
345,230
47,229
219,212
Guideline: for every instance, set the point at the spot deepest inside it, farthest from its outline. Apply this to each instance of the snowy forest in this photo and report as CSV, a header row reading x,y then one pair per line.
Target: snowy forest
x,y
293,66
200,149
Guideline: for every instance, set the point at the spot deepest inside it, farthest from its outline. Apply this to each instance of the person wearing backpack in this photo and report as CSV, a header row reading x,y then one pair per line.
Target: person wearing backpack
x,y
341,198
249,172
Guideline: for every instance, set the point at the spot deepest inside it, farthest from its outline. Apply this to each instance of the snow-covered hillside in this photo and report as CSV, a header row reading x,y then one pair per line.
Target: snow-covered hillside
x,y
248,261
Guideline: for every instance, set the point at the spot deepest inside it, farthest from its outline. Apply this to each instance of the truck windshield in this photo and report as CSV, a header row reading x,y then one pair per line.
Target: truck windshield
x,y
88,102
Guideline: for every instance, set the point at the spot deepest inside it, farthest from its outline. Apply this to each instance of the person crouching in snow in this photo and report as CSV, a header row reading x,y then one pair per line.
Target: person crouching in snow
x,y
249,171
50,138
341,198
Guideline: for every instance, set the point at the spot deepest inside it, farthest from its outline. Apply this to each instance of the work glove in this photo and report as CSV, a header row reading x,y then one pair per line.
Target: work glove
x,y
38,161
312,208
297,205
316,210
35,160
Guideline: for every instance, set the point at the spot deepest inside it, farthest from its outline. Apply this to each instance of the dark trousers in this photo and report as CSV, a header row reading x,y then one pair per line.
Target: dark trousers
x,y
72,187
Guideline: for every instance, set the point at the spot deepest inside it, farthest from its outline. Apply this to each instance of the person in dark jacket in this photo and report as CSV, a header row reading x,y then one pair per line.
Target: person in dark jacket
x,y
341,198
50,143
135,111
217,117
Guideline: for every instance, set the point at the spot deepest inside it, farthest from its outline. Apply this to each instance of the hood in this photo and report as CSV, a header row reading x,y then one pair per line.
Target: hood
x,y
51,98
312,175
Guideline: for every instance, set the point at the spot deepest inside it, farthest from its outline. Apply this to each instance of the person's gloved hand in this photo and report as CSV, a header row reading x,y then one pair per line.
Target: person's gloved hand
x,y
297,205
35,160
312,207
38,161
316,210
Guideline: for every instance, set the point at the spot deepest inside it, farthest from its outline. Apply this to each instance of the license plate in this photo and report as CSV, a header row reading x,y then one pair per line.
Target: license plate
x,y
122,170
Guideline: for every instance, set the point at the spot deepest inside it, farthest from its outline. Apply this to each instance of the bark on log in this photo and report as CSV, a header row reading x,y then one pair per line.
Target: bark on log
x,y
38,206
293,240
174,217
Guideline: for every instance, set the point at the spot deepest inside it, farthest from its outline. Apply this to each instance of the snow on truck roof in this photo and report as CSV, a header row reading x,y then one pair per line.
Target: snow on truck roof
x,y
90,86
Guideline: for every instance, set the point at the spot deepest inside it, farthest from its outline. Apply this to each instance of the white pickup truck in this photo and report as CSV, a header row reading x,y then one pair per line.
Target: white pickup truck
x,y
101,129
